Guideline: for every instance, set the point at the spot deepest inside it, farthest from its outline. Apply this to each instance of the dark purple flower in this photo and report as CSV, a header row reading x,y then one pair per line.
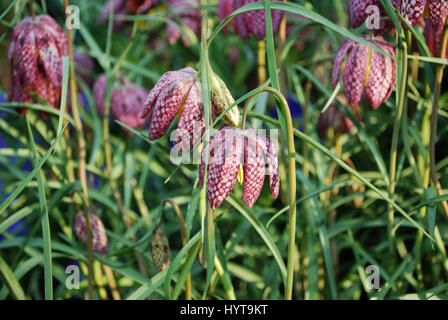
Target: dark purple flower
x,y
35,60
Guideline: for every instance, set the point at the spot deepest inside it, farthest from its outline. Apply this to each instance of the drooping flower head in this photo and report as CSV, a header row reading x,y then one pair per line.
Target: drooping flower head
x,y
249,23
435,24
127,105
126,102
361,10
190,16
335,119
366,72
230,148
35,60
99,236
180,93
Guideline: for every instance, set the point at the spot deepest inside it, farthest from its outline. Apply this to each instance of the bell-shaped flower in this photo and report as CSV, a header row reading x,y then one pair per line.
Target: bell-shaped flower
x,y
231,148
366,72
35,60
99,236
127,105
248,23
180,93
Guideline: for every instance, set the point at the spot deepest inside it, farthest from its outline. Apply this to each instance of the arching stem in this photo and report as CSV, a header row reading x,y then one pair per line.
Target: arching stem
x,y
82,155
183,231
292,181
435,110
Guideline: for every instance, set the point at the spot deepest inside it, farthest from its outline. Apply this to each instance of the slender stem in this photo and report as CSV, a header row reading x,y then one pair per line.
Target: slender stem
x,y
292,182
394,146
33,13
183,231
261,62
82,155
111,282
435,110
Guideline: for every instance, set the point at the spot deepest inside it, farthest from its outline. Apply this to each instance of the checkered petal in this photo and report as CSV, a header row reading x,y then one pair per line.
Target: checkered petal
x,y
438,13
99,93
225,8
253,171
340,55
24,43
127,104
191,123
168,104
273,169
49,57
223,168
380,79
99,237
357,11
413,10
355,74
163,84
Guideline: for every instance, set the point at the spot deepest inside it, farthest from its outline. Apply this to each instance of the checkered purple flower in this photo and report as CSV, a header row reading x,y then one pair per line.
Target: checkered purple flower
x,y
366,72
35,60
99,236
228,150
249,23
180,93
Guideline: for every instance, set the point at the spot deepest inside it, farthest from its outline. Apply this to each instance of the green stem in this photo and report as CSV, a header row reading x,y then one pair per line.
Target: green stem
x,y
82,154
292,182
394,146
183,231
435,110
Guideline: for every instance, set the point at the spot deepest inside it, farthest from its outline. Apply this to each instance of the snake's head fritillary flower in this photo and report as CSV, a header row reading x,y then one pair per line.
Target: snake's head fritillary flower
x,y
249,23
35,60
435,24
99,93
228,150
127,104
366,72
99,237
160,249
190,16
434,38
335,119
411,10
180,93
225,8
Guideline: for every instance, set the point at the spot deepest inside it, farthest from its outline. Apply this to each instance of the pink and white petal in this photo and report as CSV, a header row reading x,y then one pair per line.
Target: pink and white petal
x,y
254,171
340,55
379,80
412,10
49,57
355,74
191,122
223,169
26,53
166,108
